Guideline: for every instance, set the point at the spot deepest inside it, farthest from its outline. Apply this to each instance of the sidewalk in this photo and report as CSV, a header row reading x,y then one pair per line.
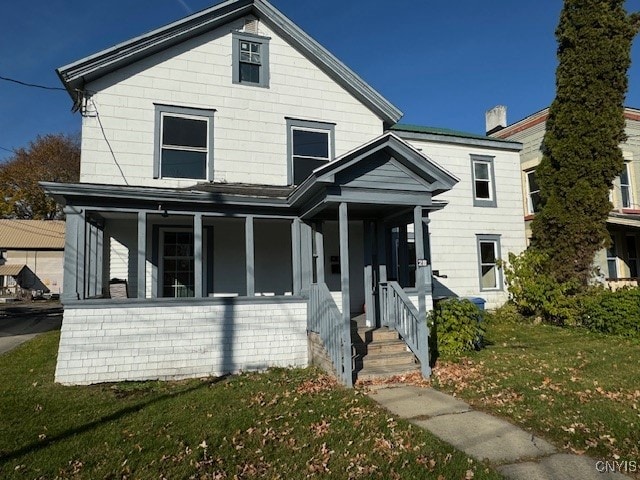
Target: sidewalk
x,y
516,454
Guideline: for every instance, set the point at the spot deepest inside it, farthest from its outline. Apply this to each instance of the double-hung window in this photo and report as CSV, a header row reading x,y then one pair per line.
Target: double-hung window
x,y
183,143
612,260
488,256
484,186
310,146
625,187
533,193
250,59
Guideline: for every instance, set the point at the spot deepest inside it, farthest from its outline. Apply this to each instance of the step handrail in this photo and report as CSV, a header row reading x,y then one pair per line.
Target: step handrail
x,y
399,313
325,319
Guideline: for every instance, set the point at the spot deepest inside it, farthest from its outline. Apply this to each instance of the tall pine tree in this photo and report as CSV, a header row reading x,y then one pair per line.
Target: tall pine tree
x,y
581,154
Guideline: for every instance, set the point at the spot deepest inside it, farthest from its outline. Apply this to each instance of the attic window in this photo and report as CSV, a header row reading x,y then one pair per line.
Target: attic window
x,y
250,59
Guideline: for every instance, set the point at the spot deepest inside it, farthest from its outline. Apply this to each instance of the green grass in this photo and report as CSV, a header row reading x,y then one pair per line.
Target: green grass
x,y
578,389
284,424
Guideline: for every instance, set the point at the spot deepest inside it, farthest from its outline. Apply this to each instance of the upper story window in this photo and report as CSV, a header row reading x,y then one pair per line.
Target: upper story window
x,y
309,146
625,187
250,59
533,193
183,143
484,187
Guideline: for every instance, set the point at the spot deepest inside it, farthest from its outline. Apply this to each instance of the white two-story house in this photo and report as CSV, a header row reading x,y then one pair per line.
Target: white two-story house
x,y
241,188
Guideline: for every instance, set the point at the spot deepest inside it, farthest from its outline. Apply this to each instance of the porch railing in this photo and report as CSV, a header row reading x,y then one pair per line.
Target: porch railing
x,y
325,319
399,313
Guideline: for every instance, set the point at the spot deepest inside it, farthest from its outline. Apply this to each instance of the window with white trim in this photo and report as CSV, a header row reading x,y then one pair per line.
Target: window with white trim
x,y
625,187
533,193
484,188
310,146
612,261
183,143
250,59
488,256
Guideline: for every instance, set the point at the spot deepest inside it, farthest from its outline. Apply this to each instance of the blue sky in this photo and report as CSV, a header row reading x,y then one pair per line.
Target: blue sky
x,y
442,63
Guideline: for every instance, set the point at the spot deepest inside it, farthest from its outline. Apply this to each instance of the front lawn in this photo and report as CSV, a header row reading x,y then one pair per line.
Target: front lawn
x,y
576,388
286,424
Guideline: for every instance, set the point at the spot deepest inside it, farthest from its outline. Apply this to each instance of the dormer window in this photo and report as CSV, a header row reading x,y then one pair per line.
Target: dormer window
x,y
250,59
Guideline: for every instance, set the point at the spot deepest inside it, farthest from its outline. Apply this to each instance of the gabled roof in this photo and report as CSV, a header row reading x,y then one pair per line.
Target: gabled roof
x,y
11,270
75,75
31,235
436,178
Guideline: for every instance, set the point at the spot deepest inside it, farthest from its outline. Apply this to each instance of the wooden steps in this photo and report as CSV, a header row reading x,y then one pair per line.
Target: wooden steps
x,y
380,353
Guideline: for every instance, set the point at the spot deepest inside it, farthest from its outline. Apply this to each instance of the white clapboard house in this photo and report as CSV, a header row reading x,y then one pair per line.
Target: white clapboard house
x,y
244,194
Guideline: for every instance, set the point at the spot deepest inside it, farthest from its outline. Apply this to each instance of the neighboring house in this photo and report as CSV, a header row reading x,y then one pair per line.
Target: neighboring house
x,y
620,263
251,189
31,257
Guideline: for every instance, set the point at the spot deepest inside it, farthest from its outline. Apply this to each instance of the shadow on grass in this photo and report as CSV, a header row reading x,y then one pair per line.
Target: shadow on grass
x,y
34,447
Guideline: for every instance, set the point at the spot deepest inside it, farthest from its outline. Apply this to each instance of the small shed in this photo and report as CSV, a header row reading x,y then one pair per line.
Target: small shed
x,y
18,281
36,244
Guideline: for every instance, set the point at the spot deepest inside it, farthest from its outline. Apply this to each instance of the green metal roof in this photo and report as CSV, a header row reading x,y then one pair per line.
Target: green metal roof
x,y
442,131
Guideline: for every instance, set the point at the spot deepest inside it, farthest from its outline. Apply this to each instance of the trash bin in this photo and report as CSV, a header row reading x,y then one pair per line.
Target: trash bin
x,y
479,303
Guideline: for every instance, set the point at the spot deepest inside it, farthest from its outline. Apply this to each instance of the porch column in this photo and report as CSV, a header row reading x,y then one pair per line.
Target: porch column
x,y
343,220
306,257
73,281
403,256
420,271
99,257
198,284
89,263
370,308
295,255
319,242
250,256
142,254
421,284
382,252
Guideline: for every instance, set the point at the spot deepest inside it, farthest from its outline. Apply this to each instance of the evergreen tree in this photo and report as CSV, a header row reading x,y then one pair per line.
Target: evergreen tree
x,y
581,154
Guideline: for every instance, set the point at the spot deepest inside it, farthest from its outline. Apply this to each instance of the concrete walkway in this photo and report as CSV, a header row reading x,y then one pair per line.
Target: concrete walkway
x,y
514,452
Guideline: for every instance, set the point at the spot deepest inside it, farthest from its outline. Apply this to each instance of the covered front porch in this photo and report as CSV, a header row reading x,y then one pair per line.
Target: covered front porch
x,y
163,283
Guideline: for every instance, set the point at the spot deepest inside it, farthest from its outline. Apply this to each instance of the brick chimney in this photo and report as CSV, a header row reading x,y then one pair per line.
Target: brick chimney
x,y
495,119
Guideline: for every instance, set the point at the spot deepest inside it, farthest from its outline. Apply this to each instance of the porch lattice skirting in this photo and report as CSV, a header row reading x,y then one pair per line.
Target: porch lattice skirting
x,y
137,342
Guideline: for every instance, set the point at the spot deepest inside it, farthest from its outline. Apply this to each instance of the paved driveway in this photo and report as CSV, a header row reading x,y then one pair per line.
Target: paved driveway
x,y
22,322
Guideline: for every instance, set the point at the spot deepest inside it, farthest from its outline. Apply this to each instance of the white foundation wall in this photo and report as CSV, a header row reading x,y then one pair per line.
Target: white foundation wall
x,y
250,143
109,344
453,230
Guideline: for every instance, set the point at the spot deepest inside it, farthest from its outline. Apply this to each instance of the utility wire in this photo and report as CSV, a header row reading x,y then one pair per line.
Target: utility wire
x,y
7,149
104,135
32,85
